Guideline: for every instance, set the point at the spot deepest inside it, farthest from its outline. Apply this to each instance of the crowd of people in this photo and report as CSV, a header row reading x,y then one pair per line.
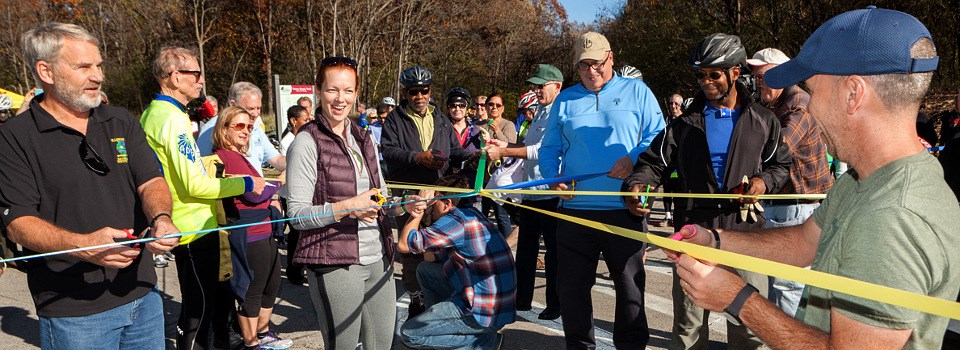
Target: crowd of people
x,y
197,185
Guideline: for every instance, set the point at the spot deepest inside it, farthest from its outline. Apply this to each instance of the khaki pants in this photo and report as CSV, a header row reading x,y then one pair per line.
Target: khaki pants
x,y
689,329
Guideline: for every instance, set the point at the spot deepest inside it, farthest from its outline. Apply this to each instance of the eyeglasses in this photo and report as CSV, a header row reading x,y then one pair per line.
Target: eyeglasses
x,y
91,159
495,105
457,105
333,61
195,73
596,66
421,91
241,126
713,75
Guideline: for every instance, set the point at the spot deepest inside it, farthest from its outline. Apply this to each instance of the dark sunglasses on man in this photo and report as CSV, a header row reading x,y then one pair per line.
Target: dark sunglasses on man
x,y
92,159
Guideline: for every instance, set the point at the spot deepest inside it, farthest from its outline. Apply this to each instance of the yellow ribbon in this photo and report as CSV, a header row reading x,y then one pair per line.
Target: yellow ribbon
x,y
857,288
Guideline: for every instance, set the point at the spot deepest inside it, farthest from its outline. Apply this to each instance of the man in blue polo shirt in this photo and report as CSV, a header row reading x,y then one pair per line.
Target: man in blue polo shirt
x,y
604,122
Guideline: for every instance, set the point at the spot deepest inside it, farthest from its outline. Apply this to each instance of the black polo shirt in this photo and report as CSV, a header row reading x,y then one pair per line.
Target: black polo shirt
x,y
43,175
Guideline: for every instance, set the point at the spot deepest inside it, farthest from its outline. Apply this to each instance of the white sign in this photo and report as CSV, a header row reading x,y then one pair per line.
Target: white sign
x,y
287,96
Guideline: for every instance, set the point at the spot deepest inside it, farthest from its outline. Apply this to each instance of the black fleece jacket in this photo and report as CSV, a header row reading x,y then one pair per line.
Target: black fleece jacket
x,y
756,150
401,143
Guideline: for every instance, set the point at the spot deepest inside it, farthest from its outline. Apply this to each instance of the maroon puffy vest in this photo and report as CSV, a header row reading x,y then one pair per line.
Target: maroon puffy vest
x,y
338,243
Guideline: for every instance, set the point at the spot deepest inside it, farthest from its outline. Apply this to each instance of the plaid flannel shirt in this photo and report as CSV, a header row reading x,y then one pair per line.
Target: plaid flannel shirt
x,y
478,263
809,171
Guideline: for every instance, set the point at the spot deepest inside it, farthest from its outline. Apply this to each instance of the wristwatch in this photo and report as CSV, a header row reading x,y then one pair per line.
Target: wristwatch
x,y
732,312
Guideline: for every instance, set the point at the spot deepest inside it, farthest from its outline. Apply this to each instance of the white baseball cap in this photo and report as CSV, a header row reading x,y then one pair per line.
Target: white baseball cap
x,y
768,56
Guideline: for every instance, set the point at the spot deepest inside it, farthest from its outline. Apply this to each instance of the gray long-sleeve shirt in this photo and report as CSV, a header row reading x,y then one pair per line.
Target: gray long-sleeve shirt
x,y
301,182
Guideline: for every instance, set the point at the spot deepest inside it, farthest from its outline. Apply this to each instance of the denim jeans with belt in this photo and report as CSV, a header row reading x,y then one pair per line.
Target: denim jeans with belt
x,y
135,325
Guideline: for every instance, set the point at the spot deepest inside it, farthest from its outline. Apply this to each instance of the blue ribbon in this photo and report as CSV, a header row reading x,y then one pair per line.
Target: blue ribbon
x,y
556,180
151,239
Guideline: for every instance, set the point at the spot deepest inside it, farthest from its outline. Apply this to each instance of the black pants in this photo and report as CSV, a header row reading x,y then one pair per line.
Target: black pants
x,y
409,262
534,226
204,297
294,271
500,215
578,250
265,263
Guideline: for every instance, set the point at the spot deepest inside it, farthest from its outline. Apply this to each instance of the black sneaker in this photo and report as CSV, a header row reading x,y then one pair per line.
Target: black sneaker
x,y
416,307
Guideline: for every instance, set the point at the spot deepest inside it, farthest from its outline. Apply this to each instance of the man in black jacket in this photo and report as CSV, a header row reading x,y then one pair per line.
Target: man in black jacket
x,y
419,145
721,139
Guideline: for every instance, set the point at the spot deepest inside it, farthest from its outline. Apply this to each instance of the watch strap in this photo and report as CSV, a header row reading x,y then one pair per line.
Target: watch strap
x,y
734,309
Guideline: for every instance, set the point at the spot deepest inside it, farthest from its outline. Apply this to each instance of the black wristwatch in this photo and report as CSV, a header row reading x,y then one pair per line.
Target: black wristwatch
x,y
732,312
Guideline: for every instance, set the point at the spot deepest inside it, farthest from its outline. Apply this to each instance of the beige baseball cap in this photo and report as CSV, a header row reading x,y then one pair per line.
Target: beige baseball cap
x,y
592,46
768,56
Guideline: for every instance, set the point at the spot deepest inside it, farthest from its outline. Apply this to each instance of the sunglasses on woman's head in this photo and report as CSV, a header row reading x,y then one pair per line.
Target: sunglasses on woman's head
x,y
333,61
241,126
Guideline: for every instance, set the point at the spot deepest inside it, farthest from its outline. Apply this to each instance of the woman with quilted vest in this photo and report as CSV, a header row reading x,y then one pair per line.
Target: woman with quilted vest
x,y
336,188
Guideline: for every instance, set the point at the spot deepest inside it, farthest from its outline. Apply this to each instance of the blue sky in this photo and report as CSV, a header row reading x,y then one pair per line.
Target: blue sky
x,y
586,10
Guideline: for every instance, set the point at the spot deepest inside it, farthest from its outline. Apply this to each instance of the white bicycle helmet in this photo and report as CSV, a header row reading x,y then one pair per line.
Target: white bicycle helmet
x,y
5,102
630,72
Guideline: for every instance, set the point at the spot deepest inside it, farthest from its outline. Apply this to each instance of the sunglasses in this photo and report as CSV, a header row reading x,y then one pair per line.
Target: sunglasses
x,y
91,159
241,126
494,105
456,105
333,61
713,75
415,92
596,66
194,73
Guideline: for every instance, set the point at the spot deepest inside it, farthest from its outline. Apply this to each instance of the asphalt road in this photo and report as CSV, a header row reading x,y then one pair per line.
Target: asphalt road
x,y
294,315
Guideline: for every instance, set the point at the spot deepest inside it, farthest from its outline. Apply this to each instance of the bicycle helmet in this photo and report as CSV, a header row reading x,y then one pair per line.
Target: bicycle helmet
x,y
630,72
527,100
719,50
416,76
458,94
5,102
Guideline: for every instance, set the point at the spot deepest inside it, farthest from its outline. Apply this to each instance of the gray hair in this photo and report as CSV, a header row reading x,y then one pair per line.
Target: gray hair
x,y
902,91
44,42
171,58
676,96
212,99
243,88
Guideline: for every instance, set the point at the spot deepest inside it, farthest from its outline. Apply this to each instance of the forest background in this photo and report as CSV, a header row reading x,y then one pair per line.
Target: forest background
x,y
482,45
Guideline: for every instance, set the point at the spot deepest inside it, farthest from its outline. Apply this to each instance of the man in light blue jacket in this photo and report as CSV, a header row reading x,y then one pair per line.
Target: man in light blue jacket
x,y
603,123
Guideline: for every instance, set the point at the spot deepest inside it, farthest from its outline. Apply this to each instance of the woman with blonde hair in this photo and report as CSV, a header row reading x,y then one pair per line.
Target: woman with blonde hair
x,y
256,279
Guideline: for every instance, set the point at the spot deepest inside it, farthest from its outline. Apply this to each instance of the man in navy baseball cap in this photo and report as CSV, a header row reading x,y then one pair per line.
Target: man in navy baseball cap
x,y
867,71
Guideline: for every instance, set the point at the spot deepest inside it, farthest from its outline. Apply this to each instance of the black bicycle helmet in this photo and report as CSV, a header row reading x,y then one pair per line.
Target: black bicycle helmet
x,y
458,94
718,50
416,76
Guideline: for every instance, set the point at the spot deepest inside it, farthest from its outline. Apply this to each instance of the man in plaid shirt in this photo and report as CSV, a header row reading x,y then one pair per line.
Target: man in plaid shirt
x,y
471,295
809,170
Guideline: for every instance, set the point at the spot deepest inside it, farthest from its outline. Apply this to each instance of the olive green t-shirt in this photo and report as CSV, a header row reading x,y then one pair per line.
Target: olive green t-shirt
x,y
899,228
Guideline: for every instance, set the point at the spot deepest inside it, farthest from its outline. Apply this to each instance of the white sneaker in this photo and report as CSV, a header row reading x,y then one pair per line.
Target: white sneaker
x,y
160,262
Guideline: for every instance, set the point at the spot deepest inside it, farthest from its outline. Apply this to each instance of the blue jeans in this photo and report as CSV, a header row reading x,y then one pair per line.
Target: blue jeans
x,y
786,293
135,325
444,325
